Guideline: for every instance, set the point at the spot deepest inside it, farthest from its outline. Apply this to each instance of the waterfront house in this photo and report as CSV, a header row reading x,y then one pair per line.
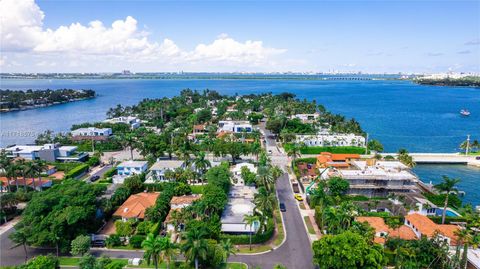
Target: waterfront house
x,y
159,168
46,152
235,126
326,139
327,159
240,203
372,178
134,122
134,207
423,226
92,133
129,168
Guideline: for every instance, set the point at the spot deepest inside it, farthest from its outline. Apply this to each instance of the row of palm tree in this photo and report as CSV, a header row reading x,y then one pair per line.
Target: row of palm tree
x,y
160,249
12,169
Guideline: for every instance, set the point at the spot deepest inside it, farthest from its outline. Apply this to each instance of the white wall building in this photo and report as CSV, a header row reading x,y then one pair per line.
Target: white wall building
x,y
237,171
134,122
324,139
158,170
46,152
92,131
239,204
306,118
235,126
129,168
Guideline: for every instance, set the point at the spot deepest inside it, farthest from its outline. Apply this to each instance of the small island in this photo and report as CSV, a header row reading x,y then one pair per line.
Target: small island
x,y
465,81
14,100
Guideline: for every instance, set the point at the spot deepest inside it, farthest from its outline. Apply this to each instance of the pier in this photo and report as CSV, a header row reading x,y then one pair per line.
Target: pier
x,y
441,158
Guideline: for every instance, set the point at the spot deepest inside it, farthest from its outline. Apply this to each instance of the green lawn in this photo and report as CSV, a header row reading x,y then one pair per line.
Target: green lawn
x,y
197,189
280,233
73,261
255,249
309,225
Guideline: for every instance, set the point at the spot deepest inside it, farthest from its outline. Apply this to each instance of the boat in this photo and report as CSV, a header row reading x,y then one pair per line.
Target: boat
x,y
465,112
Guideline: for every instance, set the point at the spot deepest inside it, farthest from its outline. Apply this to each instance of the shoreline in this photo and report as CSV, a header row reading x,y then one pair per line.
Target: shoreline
x,y
24,108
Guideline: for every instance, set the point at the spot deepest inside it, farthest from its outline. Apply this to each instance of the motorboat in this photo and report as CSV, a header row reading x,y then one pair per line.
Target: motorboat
x,y
465,112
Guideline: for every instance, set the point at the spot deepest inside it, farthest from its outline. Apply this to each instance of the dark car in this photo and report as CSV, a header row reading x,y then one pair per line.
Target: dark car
x,y
282,207
94,178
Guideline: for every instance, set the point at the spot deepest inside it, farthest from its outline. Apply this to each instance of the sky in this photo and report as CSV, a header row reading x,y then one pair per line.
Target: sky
x,y
232,36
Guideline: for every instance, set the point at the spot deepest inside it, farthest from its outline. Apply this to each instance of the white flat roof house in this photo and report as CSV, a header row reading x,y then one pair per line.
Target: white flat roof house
x,y
158,169
134,122
239,204
129,168
237,171
92,132
46,152
235,126
306,118
324,139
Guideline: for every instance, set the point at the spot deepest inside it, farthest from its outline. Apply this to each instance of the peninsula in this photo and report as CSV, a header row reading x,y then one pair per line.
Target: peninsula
x,y
13,100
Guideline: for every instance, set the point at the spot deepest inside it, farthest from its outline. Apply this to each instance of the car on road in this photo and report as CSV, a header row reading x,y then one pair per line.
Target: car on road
x,y
298,197
94,178
270,152
282,207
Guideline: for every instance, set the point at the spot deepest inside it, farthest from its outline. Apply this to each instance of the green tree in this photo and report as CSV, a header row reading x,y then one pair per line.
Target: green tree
x,y
169,251
294,151
250,220
20,238
265,202
201,163
87,261
228,249
375,145
42,262
195,246
337,186
80,245
405,158
447,186
347,250
153,248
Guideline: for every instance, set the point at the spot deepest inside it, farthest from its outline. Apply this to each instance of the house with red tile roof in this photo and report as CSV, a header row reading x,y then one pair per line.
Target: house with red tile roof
x,y
423,226
382,230
327,159
134,207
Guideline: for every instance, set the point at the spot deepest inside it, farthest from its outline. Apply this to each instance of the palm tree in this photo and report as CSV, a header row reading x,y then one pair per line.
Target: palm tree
x,y
465,239
201,163
250,220
294,151
447,186
265,177
11,173
129,141
405,158
169,251
228,249
21,168
5,163
153,247
39,167
195,246
265,202
19,237
30,172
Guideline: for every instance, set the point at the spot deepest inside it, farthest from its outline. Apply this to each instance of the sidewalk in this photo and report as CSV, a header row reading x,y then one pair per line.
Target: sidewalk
x,y
7,226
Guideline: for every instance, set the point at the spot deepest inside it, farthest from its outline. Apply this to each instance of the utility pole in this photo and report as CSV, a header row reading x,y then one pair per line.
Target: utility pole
x,y
468,145
366,145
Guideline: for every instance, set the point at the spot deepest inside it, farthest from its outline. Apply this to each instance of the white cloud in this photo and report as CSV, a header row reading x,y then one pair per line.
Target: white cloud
x,y
122,41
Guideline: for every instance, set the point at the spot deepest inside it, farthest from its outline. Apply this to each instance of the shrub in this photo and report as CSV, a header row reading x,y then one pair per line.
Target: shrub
x,y
77,171
80,245
136,241
110,172
125,228
113,241
144,227
155,229
93,161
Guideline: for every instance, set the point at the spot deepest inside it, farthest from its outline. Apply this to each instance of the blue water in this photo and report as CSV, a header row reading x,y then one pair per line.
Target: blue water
x,y
469,178
400,114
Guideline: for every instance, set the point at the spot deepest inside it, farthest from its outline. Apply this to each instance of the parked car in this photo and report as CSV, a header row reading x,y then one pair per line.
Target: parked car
x,y
94,178
298,197
282,207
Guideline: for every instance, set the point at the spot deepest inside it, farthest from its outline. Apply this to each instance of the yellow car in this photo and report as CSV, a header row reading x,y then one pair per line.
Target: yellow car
x,y
298,197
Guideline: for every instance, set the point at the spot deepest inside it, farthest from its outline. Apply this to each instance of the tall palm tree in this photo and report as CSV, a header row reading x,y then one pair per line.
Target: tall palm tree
x,y
153,247
250,220
195,246
265,177
201,163
265,202
169,251
447,186
19,237
405,158
129,141
30,171
228,249
12,173
294,151
39,167
5,163
22,168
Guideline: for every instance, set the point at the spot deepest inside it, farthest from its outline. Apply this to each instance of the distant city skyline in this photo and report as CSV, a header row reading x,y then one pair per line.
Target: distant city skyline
x,y
269,36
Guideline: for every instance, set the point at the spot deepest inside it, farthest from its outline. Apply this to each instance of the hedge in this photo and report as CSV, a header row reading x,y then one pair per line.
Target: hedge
x,y
256,238
341,150
110,172
65,167
136,241
77,171
448,220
